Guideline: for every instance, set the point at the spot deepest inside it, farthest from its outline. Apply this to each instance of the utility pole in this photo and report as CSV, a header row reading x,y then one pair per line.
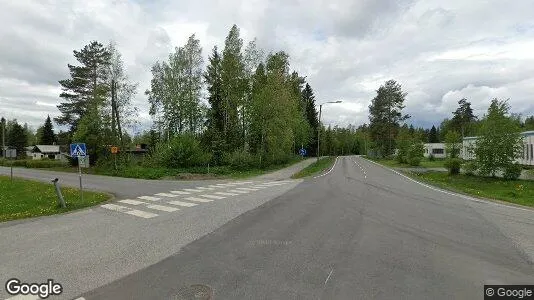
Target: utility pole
x,y
319,129
4,139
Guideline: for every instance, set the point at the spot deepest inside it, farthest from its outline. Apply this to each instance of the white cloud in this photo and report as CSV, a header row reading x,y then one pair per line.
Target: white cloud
x,y
439,51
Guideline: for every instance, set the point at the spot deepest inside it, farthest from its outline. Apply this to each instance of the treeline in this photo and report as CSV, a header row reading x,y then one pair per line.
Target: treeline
x,y
242,107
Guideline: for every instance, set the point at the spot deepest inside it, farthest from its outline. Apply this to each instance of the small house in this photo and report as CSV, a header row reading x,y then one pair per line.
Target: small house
x,y
45,151
436,150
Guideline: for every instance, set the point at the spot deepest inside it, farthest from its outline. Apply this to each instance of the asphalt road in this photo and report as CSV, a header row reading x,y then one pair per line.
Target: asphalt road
x,y
128,187
360,231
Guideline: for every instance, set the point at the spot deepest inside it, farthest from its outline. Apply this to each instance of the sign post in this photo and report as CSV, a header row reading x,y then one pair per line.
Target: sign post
x,y
302,152
11,153
79,150
114,151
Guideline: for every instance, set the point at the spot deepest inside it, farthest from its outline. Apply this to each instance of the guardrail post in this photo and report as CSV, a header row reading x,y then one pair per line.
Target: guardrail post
x,y
61,200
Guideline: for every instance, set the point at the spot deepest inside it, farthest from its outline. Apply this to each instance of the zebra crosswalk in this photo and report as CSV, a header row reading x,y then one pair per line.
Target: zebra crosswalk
x,y
151,206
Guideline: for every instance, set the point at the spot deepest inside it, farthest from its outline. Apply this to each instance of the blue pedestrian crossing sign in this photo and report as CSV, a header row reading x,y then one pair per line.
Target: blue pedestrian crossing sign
x,y
302,152
78,149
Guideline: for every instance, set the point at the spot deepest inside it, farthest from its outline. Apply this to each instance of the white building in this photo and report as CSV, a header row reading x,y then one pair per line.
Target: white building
x,y
435,149
45,151
527,157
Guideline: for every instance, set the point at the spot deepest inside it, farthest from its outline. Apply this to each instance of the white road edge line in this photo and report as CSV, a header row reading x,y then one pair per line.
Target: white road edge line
x,y
331,271
450,193
335,162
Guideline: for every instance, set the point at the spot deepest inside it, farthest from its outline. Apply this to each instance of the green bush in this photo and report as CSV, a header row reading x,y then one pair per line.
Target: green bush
x,y
470,168
512,171
431,157
453,165
240,160
30,163
415,153
181,151
414,161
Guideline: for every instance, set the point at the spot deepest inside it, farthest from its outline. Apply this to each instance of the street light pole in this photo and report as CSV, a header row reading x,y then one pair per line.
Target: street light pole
x,y
319,128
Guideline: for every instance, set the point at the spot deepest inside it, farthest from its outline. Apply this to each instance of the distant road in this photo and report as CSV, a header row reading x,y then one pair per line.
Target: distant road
x,y
129,187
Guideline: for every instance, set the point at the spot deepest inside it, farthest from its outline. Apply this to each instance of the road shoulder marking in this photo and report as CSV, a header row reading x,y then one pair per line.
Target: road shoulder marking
x,y
449,193
335,162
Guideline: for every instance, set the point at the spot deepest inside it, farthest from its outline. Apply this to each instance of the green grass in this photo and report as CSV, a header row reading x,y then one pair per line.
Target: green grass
x,y
142,172
24,198
317,167
30,163
517,192
425,163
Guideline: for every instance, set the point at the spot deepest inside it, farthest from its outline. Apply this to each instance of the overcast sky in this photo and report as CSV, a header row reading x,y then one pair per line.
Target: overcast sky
x,y
440,51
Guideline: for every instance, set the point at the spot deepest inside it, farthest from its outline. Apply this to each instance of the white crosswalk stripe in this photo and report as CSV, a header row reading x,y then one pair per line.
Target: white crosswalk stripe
x,y
196,199
132,202
180,192
180,203
134,212
166,195
162,207
225,194
258,187
246,189
149,198
227,190
240,192
212,197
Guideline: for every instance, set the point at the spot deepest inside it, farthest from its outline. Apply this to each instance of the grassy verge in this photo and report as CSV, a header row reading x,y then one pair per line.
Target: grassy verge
x,y
425,163
192,173
517,192
317,167
24,198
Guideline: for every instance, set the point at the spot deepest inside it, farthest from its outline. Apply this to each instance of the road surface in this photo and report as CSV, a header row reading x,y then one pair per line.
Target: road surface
x,y
359,232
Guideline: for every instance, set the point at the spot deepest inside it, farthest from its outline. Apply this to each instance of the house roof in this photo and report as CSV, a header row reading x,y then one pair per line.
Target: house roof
x,y
47,148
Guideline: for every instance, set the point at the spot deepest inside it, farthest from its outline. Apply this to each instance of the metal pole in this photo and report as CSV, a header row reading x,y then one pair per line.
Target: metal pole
x,y
58,192
319,131
80,176
4,139
11,171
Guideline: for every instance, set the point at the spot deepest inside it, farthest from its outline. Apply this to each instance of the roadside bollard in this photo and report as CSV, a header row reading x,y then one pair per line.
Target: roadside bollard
x,y
58,192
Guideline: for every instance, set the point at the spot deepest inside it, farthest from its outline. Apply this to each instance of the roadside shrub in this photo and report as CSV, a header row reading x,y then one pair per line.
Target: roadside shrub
x,y
181,151
239,160
470,168
30,163
415,153
453,165
431,157
414,161
44,163
512,171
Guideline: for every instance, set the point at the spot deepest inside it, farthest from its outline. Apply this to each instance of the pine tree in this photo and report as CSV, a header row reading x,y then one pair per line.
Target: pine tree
x,y
385,114
234,85
433,135
47,136
17,138
215,117
463,118
312,117
87,88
